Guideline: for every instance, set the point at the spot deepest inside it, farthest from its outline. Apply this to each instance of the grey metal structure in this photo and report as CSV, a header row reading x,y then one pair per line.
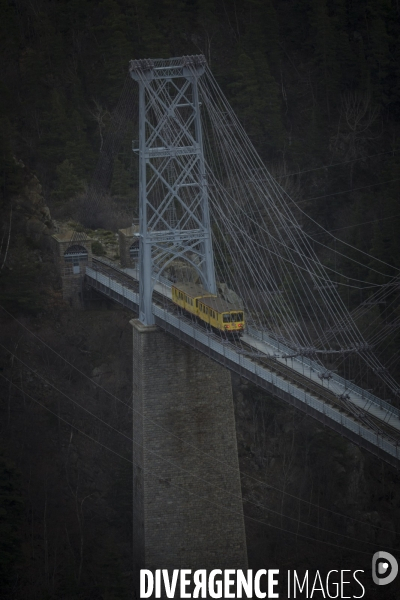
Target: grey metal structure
x,y
232,358
173,195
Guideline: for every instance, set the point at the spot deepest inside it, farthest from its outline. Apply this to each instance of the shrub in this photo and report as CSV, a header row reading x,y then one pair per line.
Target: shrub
x,y
98,248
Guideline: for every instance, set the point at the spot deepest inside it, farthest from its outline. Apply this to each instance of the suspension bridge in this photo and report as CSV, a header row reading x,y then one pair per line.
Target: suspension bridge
x,y
211,213
206,199
301,381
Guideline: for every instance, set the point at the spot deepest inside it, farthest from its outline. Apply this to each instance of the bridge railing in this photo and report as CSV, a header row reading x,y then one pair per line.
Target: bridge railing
x,y
110,263
303,360
348,385
248,365
209,343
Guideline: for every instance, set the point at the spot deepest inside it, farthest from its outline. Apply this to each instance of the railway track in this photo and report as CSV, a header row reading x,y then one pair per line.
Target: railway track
x,y
115,273
323,393
294,377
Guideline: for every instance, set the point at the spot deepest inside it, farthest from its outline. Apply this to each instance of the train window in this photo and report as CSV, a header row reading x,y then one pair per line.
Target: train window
x,y
197,303
237,317
233,317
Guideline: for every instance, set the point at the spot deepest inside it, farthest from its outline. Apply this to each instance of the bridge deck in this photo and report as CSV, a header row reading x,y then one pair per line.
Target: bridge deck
x,y
358,415
387,415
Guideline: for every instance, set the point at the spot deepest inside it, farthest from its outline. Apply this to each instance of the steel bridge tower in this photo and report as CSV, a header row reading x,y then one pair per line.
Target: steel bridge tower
x,y
187,501
173,195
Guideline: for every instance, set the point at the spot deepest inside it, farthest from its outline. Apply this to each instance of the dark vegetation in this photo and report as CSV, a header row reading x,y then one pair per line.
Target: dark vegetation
x,y
316,85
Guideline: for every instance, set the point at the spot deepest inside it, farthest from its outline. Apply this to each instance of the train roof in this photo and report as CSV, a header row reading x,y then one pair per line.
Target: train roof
x,y
220,305
194,290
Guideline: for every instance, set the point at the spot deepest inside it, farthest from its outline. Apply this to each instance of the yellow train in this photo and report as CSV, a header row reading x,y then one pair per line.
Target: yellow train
x,y
209,308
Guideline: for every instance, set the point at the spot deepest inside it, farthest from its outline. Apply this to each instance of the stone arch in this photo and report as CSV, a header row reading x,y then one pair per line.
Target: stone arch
x,y
183,258
134,250
75,257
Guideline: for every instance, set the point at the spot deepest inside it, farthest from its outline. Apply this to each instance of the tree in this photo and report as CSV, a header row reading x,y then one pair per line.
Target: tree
x,y
11,506
68,182
255,96
271,104
324,44
121,180
11,171
262,33
245,92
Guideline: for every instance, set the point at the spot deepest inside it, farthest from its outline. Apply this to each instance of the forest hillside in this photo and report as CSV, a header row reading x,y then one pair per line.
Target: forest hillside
x,y
316,85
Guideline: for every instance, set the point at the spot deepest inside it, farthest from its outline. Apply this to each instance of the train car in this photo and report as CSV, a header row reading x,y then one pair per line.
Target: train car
x,y
187,296
209,308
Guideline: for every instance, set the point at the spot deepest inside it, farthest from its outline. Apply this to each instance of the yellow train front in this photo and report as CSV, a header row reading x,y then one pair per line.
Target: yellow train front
x,y
212,310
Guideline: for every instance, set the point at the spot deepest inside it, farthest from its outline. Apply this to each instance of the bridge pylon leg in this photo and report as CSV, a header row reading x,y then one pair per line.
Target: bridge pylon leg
x,y
187,497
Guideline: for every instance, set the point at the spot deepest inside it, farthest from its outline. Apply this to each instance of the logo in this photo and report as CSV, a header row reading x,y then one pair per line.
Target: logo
x,y
384,568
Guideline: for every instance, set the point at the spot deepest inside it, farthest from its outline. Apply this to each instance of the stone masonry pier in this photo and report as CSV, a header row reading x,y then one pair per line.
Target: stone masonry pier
x,y
186,487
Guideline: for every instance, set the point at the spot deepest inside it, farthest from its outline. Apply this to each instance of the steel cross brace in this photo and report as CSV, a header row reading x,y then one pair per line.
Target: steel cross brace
x,y
173,190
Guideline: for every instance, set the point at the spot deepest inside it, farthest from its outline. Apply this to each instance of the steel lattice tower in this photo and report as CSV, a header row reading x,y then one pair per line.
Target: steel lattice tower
x,y
173,196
